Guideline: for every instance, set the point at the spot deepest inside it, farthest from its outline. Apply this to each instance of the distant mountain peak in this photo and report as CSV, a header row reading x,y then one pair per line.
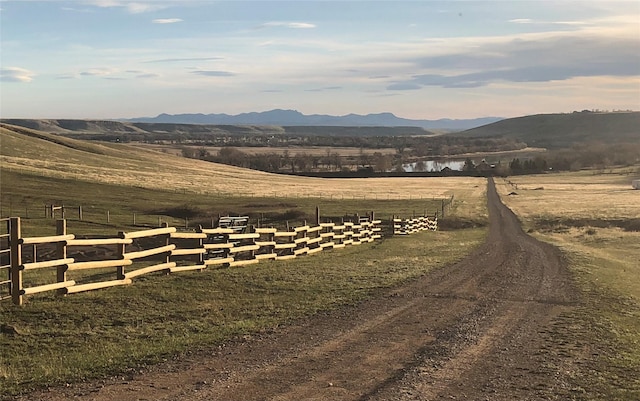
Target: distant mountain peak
x,y
289,117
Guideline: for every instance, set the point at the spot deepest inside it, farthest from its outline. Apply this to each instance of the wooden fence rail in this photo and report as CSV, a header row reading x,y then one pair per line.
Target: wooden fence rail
x,y
415,224
162,249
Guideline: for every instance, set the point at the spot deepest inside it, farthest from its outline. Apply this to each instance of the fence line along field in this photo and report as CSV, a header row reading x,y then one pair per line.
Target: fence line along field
x,y
232,243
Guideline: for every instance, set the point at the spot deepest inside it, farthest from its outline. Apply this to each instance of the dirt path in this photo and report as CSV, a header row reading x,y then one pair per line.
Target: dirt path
x,y
475,330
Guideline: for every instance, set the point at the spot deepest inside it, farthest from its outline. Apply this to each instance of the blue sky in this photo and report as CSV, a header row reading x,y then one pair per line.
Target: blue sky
x,y
420,59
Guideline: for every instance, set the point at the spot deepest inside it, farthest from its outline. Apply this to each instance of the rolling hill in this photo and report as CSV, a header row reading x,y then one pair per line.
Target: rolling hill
x,y
555,131
111,130
43,154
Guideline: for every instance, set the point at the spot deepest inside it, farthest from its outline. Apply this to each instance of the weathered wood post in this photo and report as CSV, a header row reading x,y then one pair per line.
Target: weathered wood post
x,y
80,213
317,215
16,260
252,229
61,253
200,246
167,242
122,249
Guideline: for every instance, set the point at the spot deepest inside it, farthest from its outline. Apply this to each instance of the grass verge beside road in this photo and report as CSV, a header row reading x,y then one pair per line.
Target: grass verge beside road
x,y
590,217
112,331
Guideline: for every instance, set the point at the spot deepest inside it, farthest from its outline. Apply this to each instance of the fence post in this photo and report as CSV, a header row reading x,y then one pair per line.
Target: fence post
x,y
80,213
122,249
167,241
16,260
317,215
61,250
200,246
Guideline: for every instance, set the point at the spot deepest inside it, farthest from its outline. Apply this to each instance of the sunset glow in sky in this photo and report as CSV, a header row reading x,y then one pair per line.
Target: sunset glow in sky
x,y
421,59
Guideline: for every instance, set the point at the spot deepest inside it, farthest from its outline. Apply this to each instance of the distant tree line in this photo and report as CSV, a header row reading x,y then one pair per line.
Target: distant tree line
x,y
592,155
415,146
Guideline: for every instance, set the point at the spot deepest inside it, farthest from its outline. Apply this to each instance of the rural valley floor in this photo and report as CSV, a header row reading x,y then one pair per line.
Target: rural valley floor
x,y
487,328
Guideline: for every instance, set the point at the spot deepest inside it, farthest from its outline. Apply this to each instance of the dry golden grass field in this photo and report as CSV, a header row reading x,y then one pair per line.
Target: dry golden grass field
x,y
293,150
131,166
584,194
594,218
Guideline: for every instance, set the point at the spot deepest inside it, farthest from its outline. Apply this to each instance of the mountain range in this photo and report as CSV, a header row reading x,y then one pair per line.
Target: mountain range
x,y
295,118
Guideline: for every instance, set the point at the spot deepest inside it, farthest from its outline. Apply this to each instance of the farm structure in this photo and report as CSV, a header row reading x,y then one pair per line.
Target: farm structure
x,y
67,264
635,184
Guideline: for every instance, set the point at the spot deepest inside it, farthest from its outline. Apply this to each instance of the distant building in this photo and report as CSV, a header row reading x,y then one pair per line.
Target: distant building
x,y
635,184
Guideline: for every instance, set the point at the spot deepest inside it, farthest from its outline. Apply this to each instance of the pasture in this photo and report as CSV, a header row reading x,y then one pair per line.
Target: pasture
x,y
291,150
56,340
593,218
127,165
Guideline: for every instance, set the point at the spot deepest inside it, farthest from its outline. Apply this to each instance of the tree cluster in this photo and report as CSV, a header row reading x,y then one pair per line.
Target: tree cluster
x,y
591,155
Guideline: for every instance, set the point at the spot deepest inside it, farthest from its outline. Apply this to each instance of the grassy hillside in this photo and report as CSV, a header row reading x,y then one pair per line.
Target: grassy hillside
x,y
42,154
555,131
80,337
138,131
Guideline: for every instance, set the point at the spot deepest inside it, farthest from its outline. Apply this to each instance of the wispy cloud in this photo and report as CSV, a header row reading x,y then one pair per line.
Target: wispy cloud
x,y
166,20
208,73
131,7
143,74
293,25
185,59
97,72
557,57
148,75
531,21
16,74
326,88
521,21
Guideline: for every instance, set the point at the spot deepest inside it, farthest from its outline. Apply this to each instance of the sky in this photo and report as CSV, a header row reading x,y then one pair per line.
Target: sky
x,y
110,59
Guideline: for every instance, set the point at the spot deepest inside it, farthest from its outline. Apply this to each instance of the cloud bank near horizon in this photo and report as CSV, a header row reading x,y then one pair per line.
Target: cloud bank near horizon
x,y
417,60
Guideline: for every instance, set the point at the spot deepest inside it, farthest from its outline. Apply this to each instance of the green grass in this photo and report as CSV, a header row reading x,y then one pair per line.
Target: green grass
x,y
605,328
565,130
103,332
605,265
89,335
25,195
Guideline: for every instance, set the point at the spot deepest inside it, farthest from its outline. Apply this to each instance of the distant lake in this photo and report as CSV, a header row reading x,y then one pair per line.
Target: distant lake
x,y
435,165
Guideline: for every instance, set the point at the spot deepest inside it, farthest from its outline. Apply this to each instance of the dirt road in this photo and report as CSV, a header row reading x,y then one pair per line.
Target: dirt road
x,y
476,330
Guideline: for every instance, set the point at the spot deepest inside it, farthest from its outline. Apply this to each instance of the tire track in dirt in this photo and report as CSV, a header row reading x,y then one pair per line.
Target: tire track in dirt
x,y
470,330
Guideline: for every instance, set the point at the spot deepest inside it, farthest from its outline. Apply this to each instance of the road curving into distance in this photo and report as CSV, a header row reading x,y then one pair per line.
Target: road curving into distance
x,y
479,329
